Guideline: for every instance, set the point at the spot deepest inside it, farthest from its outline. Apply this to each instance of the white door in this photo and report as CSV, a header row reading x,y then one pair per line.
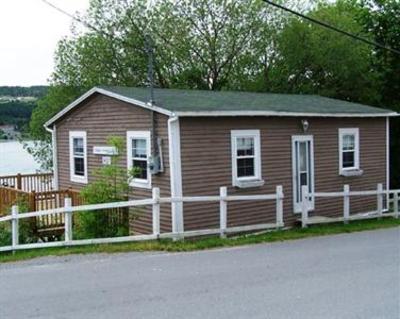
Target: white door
x,y
303,168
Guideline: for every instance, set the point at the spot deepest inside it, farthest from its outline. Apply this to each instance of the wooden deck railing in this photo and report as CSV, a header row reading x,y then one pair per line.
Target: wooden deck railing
x,y
52,224
29,182
11,196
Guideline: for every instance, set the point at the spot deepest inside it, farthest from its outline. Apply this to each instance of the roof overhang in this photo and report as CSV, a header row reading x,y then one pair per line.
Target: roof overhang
x,y
95,90
164,111
283,114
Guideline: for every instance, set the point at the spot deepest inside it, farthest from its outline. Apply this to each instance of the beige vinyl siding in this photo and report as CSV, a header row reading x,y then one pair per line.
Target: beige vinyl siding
x,y
101,117
206,165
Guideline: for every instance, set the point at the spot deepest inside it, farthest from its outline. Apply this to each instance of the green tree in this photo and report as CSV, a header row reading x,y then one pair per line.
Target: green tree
x,y
315,60
382,19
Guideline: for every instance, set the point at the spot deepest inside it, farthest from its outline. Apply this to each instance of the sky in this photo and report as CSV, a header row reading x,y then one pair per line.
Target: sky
x,y
29,32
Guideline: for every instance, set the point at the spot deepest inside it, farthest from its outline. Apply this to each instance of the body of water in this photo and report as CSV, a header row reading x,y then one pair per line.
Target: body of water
x,y
14,159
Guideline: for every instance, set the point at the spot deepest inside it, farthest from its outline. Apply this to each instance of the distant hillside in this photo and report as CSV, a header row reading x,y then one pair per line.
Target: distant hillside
x,y
17,104
23,91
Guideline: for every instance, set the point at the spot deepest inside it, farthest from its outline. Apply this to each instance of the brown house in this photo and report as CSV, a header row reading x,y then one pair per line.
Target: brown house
x,y
189,143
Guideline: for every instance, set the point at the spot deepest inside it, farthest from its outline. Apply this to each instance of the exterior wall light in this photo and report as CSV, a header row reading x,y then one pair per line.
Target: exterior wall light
x,y
305,125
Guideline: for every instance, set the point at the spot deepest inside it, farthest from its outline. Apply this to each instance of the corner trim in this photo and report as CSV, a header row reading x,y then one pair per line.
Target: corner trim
x,y
175,166
55,157
387,160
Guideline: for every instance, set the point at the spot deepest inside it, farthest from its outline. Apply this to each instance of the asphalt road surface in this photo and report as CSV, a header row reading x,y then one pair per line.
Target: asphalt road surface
x,y
346,276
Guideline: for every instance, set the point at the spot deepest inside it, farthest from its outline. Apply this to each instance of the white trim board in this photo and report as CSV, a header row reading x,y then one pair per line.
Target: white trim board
x,y
349,131
130,135
283,114
175,166
255,135
204,113
106,93
77,178
387,160
302,138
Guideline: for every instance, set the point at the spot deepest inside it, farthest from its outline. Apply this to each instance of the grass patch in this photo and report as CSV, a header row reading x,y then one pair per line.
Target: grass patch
x,y
206,243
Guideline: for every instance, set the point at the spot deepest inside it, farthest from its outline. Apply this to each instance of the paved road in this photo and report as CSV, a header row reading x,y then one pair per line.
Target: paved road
x,y
345,276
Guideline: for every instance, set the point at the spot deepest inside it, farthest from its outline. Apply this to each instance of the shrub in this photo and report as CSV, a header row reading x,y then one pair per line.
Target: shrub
x,y
111,185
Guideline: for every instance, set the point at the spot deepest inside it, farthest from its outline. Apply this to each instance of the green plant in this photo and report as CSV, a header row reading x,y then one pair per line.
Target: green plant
x,y
111,185
26,227
5,234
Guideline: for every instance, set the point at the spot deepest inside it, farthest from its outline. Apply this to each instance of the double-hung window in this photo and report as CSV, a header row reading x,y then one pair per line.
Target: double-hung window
x,y
349,150
139,151
246,161
78,156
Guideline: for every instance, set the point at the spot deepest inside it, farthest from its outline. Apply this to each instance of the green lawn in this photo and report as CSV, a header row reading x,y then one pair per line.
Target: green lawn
x,y
207,243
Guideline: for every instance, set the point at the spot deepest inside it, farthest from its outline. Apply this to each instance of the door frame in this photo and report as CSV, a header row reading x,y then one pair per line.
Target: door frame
x,y
302,138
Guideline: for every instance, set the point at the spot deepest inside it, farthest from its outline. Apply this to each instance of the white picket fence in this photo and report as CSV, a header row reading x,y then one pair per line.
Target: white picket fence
x,y
391,196
223,198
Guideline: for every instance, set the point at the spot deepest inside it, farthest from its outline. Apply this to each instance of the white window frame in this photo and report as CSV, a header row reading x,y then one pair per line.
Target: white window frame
x,y
356,133
302,138
255,134
130,135
78,178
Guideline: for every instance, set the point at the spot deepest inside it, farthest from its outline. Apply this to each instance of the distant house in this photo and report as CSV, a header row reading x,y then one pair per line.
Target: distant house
x,y
192,142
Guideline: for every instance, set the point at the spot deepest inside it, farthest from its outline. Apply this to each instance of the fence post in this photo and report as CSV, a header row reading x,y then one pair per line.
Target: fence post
x,y
346,203
19,181
304,206
380,199
396,204
14,226
68,218
223,210
32,201
279,206
156,211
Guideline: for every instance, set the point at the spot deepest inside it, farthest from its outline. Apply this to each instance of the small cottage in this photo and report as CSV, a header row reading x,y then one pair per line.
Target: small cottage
x,y
190,143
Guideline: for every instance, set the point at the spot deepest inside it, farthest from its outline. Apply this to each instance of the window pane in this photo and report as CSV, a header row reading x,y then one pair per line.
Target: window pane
x,y
142,166
245,167
303,156
79,165
78,146
348,142
348,159
303,179
139,148
245,146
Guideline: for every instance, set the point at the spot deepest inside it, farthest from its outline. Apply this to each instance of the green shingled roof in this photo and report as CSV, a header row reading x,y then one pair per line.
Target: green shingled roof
x,y
228,101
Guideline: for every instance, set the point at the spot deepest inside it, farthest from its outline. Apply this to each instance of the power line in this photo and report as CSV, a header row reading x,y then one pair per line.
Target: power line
x,y
328,26
90,26
69,15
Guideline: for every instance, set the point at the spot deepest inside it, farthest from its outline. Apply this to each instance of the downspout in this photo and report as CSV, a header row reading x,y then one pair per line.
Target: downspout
x,y
175,167
54,146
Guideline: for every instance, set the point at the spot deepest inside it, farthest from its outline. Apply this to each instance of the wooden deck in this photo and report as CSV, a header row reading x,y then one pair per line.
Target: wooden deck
x,y
35,192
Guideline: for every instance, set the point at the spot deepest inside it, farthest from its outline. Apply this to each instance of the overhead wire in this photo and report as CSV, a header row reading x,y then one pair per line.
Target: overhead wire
x,y
332,28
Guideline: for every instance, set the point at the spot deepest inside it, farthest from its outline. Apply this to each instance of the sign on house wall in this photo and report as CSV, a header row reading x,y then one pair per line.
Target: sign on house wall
x,y
105,150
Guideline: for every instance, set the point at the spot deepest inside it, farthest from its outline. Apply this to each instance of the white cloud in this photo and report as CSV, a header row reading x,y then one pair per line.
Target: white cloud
x,y
29,31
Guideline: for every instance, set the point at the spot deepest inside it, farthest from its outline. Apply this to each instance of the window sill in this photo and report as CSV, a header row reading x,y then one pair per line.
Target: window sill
x,y
138,184
79,179
351,172
249,184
